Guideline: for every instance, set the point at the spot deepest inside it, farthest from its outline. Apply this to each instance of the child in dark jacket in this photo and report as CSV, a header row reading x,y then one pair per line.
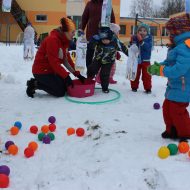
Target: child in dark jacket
x,y
106,46
143,40
176,68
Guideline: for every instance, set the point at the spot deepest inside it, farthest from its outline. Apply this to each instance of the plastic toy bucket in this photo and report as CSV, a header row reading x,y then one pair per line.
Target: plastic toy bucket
x,y
81,90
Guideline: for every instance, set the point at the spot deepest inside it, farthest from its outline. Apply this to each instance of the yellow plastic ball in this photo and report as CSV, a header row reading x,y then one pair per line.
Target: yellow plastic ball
x,y
163,152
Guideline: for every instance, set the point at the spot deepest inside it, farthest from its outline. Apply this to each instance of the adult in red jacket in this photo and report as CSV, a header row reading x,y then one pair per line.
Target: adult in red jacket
x,y
91,20
51,62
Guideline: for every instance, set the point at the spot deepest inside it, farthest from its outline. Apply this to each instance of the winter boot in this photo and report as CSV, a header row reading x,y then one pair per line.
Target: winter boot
x,y
134,89
31,87
111,81
148,91
173,134
106,91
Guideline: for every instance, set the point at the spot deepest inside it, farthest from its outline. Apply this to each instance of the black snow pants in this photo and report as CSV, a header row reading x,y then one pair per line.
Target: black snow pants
x,y
52,84
89,55
104,73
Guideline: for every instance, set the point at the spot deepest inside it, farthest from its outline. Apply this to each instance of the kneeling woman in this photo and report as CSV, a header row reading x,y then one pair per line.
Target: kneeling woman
x,y
51,62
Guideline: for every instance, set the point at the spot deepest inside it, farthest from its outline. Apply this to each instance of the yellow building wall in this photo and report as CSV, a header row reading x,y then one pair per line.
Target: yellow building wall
x,y
54,9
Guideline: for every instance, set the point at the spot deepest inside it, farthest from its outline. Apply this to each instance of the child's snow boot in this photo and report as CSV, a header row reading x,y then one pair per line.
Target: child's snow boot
x,y
134,89
105,90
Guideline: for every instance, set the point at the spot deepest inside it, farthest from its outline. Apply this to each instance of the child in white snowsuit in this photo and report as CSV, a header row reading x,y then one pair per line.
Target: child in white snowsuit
x,y
29,35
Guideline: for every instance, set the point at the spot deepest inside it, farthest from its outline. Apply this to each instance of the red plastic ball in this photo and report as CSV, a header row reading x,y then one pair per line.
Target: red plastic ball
x,y
28,152
4,181
52,127
80,132
34,129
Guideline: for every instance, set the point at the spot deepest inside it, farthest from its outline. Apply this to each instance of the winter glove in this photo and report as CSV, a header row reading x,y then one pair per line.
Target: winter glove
x,y
76,73
154,69
81,78
139,38
69,82
118,56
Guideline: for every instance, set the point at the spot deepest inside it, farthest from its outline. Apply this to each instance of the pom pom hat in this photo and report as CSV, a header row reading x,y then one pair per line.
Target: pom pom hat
x,y
178,25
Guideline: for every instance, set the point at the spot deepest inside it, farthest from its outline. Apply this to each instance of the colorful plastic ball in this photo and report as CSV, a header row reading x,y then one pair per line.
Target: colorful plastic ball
x,y
52,136
33,146
46,139
14,130
45,129
52,127
4,170
28,152
8,143
173,149
13,149
80,132
52,119
4,181
70,131
156,106
34,129
183,147
18,124
41,136
163,152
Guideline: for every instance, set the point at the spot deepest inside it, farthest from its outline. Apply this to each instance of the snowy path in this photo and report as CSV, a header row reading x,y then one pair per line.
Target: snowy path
x,y
105,160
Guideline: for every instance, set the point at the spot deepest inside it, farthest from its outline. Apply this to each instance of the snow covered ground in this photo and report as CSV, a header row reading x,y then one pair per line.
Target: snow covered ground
x,y
120,154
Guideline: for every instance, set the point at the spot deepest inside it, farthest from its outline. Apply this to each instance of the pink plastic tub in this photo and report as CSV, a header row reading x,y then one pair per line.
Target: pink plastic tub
x,y
81,90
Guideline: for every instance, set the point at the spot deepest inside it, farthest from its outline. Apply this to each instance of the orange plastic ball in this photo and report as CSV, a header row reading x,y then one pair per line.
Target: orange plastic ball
x,y
13,149
70,131
4,181
183,147
45,129
189,153
14,130
33,146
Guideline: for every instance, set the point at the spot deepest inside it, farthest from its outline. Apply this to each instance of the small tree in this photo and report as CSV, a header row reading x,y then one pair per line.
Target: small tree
x,y
142,7
170,7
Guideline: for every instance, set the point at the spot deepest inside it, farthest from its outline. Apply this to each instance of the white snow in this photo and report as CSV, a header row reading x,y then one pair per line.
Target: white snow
x,y
106,158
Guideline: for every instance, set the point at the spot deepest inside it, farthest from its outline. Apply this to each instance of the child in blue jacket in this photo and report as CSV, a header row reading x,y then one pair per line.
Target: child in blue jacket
x,y
176,68
143,40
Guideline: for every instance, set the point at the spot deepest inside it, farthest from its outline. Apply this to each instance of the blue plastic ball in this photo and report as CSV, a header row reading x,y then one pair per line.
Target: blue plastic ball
x,y
18,124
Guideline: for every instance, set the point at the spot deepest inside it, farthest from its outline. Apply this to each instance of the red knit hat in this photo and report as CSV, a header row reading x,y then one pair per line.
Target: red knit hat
x,y
178,25
67,25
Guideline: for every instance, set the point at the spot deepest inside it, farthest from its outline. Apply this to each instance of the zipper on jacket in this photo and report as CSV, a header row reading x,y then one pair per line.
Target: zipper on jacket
x,y
183,83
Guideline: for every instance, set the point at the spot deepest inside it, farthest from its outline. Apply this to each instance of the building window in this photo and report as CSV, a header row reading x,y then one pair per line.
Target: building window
x,y
153,30
164,31
123,29
41,18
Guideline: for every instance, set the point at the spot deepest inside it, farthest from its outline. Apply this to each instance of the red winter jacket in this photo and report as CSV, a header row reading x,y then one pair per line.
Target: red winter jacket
x,y
92,17
52,55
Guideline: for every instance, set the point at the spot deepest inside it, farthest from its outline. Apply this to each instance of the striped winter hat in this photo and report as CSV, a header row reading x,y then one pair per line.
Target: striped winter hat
x,y
67,24
178,25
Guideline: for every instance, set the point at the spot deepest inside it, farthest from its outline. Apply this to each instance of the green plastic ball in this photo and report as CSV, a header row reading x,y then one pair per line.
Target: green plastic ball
x,y
41,136
173,149
52,136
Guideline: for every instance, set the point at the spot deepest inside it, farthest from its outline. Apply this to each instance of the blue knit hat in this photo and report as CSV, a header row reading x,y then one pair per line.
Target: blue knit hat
x,y
146,26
